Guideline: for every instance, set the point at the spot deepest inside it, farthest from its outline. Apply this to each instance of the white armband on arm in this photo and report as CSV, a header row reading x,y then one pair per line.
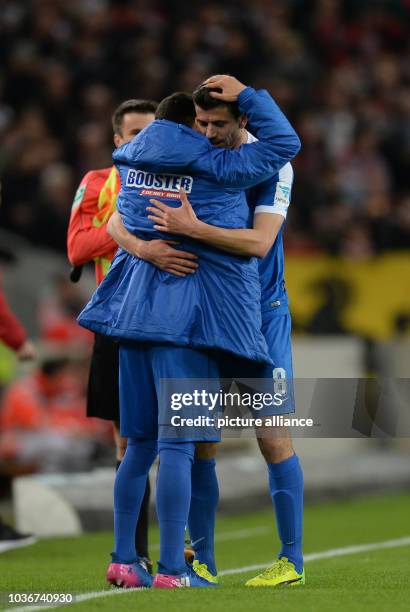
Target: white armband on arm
x,y
281,199
280,203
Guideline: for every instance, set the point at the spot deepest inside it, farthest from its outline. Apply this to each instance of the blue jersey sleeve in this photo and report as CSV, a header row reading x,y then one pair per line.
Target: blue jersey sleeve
x,y
273,195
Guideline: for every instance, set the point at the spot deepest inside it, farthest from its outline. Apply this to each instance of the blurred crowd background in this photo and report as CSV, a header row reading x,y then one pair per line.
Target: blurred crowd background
x,y
340,69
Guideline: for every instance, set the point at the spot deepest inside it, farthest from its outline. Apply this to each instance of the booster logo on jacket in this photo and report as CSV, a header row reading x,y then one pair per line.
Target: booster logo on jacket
x,y
158,185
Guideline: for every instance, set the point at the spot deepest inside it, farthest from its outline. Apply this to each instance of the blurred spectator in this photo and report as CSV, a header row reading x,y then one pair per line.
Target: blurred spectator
x,y
53,205
339,68
363,172
58,311
43,422
334,295
12,332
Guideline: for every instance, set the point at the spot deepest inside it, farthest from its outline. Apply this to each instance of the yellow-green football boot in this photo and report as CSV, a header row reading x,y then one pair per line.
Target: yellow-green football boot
x,y
202,570
281,573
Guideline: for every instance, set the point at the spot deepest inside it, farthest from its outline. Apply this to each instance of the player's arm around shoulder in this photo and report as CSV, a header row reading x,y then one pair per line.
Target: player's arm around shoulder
x,y
84,241
278,142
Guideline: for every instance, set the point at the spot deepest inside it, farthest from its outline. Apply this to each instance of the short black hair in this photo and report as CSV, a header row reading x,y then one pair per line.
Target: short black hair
x,y
178,107
207,102
131,106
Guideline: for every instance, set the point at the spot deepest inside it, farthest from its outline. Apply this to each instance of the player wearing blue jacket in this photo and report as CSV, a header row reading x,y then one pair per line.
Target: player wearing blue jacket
x,y
120,309
268,203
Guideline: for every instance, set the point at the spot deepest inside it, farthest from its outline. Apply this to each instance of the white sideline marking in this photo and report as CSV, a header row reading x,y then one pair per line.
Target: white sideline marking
x,y
324,554
241,534
327,554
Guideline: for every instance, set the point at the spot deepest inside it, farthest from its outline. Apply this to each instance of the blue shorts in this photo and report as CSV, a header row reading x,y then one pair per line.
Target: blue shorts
x,y
142,366
276,328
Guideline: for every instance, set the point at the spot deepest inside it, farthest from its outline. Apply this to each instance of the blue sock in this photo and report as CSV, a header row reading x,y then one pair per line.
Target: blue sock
x,y
129,489
173,499
201,521
286,488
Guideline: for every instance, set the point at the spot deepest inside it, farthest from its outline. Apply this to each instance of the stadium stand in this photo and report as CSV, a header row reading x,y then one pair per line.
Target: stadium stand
x,y
338,68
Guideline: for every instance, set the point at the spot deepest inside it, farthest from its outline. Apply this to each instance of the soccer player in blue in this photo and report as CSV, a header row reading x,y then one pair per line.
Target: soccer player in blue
x,y
155,310
222,122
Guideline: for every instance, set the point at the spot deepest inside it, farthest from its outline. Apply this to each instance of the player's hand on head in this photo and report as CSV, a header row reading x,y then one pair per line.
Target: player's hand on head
x,y
181,220
164,255
230,87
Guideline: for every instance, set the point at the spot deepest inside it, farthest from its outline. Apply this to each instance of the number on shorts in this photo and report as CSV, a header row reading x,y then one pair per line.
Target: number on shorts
x,y
280,385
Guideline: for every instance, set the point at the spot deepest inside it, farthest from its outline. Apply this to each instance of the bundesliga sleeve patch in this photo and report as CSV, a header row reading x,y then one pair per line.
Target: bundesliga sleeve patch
x,y
79,194
282,198
280,202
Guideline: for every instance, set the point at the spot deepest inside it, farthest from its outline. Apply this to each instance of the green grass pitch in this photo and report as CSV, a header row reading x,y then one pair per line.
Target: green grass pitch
x,y
371,580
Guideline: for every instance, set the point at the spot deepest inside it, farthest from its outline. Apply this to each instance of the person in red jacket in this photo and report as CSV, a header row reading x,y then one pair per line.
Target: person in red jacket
x,y
13,335
88,240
